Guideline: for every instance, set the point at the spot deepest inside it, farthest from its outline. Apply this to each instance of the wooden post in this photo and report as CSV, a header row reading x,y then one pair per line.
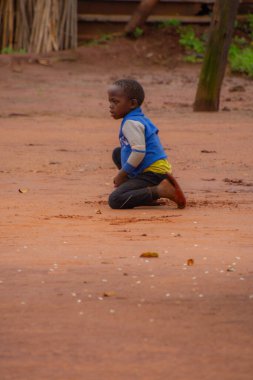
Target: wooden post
x,y
215,60
140,15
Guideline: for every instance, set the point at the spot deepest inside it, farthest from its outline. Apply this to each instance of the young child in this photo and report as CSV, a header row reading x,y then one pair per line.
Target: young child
x,y
144,174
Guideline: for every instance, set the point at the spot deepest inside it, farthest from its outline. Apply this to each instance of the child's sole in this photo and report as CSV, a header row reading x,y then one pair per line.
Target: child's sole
x,y
179,195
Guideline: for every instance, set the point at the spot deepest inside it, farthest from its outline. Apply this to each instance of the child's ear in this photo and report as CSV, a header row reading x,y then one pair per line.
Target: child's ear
x,y
134,103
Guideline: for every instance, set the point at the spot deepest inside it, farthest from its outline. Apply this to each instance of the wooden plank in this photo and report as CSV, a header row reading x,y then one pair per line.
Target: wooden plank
x,y
173,7
162,1
152,19
110,8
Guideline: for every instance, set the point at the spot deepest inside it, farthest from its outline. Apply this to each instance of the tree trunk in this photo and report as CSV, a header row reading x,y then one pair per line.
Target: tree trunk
x,y
215,60
140,15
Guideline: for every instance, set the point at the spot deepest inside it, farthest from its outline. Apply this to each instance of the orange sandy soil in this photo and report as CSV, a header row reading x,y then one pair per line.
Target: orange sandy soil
x,y
63,248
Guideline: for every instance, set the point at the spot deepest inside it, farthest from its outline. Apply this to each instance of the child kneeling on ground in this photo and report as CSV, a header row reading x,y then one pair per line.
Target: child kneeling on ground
x,y
144,173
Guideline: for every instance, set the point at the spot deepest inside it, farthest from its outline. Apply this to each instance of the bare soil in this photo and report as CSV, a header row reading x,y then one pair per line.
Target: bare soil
x,y
77,301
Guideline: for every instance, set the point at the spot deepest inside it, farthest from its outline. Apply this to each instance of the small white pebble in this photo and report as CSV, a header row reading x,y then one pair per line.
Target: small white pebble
x,y
206,272
142,300
19,270
89,296
184,268
104,280
1,281
242,278
196,245
195,222
112,311
201,295
204,258
167,294
238,258
25,246
51,269
251,296
139,304
194,278
79,301
119,269
100,298
73,294
80,312
65,242
42,282
138,282
22,303
75,257
151,320
152,287
166,251
152,275
221,271
146,261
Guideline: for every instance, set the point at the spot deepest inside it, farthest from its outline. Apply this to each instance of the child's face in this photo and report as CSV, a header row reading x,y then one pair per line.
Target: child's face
x,y
120,105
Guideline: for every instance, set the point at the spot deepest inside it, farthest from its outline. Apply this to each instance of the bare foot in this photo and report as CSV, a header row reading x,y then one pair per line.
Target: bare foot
x,y
169,188
159,202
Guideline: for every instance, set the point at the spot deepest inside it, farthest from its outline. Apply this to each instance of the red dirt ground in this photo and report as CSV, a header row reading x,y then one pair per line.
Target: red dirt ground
x,y
62,248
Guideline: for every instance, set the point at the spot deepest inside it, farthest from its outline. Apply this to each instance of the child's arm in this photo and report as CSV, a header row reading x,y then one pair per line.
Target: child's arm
x,y
134,131
121,177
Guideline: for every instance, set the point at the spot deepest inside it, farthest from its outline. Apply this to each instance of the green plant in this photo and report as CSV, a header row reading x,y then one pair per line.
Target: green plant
x,y
190,41
10,50
193,58
194,46
241,59
138,32
100,40
169,23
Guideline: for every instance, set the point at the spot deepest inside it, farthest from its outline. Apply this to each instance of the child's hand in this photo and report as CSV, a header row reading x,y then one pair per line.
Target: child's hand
x,y
120,178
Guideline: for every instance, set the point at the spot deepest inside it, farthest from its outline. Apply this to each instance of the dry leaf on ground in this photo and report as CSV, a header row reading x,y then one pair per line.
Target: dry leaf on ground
x,y
23,191
109,294
149,254
190,262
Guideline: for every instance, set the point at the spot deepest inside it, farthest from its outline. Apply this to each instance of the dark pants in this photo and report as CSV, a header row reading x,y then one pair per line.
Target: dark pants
x,y
135,191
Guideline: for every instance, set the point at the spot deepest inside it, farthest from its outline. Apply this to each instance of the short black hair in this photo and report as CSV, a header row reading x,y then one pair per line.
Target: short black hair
x,y
132,89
